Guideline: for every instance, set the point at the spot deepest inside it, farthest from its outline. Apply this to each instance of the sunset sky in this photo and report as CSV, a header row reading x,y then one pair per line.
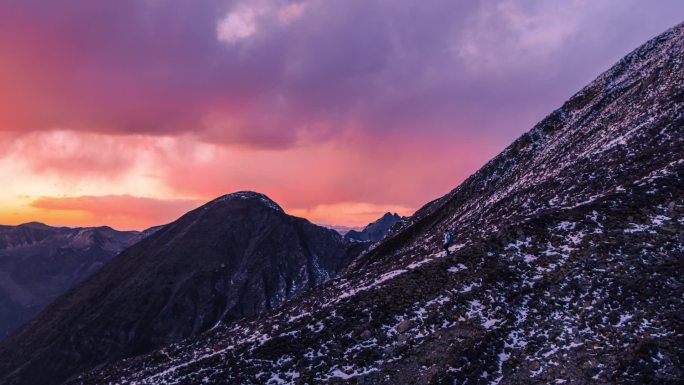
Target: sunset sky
x,y
131,112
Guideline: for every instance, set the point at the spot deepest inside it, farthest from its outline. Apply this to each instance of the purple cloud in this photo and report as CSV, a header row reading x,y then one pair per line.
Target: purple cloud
x,y
278,73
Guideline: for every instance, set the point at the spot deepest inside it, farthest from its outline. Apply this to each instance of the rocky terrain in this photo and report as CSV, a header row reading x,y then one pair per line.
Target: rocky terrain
x,y
235,257
377,230
38,263
566,268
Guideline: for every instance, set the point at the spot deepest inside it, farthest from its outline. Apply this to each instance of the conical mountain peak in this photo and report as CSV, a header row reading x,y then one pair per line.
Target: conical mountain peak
x,y
248,196
235,257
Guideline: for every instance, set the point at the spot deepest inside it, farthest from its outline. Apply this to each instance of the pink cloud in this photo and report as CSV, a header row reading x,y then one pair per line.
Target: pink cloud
x,y
71,154
405,171
310,69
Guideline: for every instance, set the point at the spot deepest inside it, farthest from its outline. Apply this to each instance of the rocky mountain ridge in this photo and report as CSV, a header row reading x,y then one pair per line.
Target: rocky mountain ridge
x,y
38,263
377,230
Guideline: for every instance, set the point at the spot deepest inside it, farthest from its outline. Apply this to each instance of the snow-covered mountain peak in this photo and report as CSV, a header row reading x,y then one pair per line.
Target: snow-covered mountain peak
x,y
249,195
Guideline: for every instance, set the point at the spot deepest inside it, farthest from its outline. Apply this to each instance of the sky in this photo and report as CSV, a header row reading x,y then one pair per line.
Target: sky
x,y
129,113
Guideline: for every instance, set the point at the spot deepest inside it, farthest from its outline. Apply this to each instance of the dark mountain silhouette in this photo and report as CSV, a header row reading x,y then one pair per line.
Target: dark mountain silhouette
x,y
235,257
38,263
566,267
377,230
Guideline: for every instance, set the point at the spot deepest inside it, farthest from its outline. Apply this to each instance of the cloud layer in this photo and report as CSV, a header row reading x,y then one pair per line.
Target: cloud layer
x,y
320,104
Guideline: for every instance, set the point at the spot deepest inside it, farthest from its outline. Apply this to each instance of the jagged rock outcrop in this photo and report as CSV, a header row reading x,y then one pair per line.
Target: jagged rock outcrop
x,y
38,263
237,256
566,268
377,230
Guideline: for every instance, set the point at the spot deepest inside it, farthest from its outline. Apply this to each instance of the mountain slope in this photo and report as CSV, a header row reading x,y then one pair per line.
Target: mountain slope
x,y
38,263
234,257
567,266
377,230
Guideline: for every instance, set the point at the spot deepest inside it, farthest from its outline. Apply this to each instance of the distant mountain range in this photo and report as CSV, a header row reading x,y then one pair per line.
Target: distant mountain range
x,y
343,230
235,257
38,263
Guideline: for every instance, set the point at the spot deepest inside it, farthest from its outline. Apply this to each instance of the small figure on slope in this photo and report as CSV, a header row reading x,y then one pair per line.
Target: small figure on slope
x,y
448,239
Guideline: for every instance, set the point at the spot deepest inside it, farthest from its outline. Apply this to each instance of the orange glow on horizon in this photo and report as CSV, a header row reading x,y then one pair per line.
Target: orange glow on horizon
x,y
352,215
74,178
